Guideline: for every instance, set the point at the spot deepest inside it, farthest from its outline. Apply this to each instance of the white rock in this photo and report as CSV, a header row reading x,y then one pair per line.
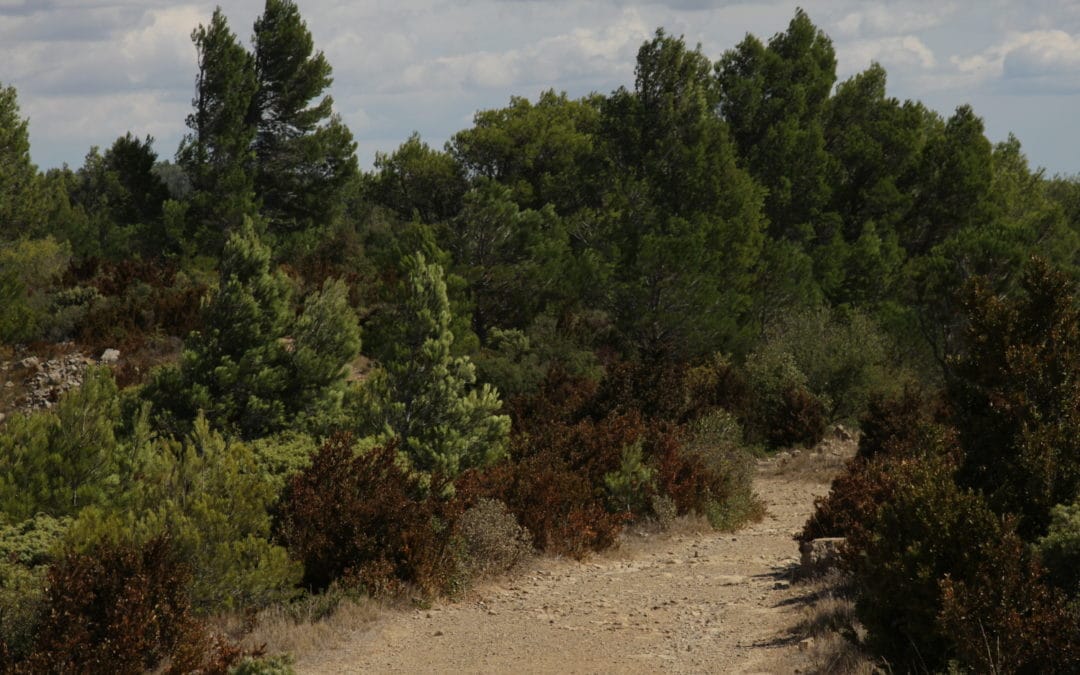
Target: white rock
x,y
110,356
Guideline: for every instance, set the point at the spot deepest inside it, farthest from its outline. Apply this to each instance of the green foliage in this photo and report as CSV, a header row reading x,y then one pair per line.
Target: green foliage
x,y
242,370
428,400
29,271
927,529
843,356
492,540
60,461
264,665
682,227
1060,548
21,193
217,153
542,151
210,498
631,485
1006,619
715,442
26,551
306,156
784,411
773,97
1014,392
417,181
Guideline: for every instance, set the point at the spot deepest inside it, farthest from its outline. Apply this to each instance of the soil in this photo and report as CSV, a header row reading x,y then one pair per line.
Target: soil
x,y
697,602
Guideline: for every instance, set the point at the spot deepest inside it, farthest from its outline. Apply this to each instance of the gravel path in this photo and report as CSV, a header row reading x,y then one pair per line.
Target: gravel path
x,y
686,603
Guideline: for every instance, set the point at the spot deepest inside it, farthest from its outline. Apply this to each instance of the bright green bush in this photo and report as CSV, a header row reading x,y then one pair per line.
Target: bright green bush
x,y
29,271
1060,548
428,398
210,497
64,459
26,551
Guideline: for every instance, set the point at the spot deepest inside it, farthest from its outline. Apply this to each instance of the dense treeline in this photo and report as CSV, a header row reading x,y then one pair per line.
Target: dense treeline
x,y
576,315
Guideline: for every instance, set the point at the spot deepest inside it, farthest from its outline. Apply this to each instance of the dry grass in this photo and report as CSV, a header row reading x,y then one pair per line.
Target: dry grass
x,y
829,632
303,631
820,464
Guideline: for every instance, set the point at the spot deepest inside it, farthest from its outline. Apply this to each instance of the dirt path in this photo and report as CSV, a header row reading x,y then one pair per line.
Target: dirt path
x,y
688,603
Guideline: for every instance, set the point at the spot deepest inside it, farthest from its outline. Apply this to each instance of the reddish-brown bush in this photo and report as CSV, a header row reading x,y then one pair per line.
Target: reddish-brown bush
x,y
798,419
362,518
121,609
1006,618
905,424
853,499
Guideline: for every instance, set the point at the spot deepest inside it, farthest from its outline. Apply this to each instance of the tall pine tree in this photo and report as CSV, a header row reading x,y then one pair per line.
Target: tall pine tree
x,y
305,155
217,152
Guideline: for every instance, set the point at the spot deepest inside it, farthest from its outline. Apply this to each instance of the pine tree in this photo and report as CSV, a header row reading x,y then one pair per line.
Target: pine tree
x,y
21,206
429,400
304,154
217,153
240,370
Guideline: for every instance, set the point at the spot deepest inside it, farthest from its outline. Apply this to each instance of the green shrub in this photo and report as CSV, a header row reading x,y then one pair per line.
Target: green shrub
x,y
1014,392
716,441
29,272
927,530
1060,548
783,411
630,487
26,551
64,459
209,496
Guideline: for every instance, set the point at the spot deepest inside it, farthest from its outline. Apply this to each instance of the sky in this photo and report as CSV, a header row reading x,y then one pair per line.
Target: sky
x,y
88,71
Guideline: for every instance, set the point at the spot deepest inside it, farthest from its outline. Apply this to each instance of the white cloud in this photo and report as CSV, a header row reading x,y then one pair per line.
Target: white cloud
x,y
894,18
1046,60
903,51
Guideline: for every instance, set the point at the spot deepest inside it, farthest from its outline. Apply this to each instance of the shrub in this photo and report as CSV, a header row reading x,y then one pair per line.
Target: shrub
x,y
26,551
798,418
928,529
209,496
121,609
719,469
1060,548
492,539
360,518
1005,618
853,499
1014,392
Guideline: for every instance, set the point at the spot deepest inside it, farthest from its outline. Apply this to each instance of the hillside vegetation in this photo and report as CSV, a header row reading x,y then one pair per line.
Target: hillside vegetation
x,y
578,315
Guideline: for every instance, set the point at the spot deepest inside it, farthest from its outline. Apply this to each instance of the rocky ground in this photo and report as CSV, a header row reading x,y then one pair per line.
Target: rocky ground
x,y
703,602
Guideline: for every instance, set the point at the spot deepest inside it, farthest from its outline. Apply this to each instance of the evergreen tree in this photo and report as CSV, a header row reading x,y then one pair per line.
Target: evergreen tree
x,y
774,98
217,153
240,370
305,155
21,204
58,462
683,220
429,400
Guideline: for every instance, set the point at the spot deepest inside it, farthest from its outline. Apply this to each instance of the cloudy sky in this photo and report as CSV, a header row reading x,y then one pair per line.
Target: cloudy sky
x,y
88,71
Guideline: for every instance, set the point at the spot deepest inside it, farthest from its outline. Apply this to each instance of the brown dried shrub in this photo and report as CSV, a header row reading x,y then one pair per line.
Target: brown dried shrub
x,y
364,519
122,609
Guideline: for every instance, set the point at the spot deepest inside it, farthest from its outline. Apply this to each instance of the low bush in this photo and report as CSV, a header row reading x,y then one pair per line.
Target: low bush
x,y
492,540
26,551
1005,618
362,518
122,609
709,471
1060,548
798,418
929,529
